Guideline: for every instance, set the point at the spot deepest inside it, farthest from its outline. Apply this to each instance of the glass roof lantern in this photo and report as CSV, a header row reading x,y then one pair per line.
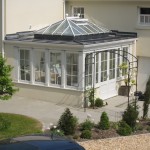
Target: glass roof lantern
x,y
71,27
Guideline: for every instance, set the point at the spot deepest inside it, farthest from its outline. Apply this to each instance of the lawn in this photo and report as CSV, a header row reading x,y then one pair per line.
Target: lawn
x,y
20,125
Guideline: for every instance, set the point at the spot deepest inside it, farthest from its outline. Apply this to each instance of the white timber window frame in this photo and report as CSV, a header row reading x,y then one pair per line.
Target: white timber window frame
x,y
24,65
144,16
72,70
78,11
55,68
39,66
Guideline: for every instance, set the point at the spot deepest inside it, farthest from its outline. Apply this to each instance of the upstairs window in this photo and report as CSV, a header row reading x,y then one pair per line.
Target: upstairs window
x,y
144,16
78,11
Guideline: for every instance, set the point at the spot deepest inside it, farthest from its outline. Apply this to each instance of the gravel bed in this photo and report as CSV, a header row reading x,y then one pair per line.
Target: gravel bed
x,y
135,142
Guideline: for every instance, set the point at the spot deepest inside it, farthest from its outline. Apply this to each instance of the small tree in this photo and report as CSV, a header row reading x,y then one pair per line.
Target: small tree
x,y
146,99
6,86
67,122
91,94
130,116
104,122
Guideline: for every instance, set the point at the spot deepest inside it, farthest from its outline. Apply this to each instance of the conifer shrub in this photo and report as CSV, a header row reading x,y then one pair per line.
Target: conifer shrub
x,y
67,122
86,134
130,116
87,125
104,123
124,129
98,102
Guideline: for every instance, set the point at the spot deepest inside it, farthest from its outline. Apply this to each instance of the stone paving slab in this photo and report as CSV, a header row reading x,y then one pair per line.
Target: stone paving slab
x,y
48,112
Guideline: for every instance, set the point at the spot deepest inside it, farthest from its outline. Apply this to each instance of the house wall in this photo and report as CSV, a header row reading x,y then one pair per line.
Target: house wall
x,y
120,15
41,92
117,16
144,72
0,25
21,14
58,96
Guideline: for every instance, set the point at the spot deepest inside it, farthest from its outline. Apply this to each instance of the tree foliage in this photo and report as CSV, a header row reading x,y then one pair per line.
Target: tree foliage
x,y
130,116
67,122
146,99
7,88
104,122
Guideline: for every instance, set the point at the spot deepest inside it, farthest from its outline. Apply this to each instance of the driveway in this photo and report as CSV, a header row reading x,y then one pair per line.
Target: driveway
x,y
47,112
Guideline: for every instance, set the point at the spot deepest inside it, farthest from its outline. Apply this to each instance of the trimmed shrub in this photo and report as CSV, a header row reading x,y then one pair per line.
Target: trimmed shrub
x,y
130,116
91,94
104,122
86,134
87,125
98,102
4,123
67,122
124,129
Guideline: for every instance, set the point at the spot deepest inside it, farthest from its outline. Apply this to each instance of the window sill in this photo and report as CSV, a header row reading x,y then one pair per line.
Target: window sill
x,y
143,27
50,86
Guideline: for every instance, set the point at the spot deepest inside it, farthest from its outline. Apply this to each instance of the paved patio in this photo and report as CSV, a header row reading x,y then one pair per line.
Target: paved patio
x,y
48,112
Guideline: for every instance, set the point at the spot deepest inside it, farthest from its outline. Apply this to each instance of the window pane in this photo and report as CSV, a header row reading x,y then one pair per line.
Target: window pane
x,y
25,65
39,66
55,68
145,11
72,69
103,66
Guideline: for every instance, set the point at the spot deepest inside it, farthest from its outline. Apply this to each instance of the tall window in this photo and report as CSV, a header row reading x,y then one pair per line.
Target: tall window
x,y
103,66
55,68
88,70
39,62
25,65
72,69
144,16
78,11
112,65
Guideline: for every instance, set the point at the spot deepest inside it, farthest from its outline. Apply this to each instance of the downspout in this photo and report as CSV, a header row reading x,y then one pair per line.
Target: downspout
x,y
3,26
64,9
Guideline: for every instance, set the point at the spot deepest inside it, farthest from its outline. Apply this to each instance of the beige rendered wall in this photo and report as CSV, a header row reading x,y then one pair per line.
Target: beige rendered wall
x,y
117,16
20,14
0,25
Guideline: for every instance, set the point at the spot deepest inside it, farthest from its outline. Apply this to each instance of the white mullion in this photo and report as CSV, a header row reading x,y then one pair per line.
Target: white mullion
x,y
32,67
81,70
108,65
99,68
63,67
47,63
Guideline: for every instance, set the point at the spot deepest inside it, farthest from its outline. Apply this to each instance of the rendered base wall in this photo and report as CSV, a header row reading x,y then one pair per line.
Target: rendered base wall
x,y
58,96
143,72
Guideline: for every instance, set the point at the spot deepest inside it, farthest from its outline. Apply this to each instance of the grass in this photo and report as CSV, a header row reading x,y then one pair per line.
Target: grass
x,y
20,125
